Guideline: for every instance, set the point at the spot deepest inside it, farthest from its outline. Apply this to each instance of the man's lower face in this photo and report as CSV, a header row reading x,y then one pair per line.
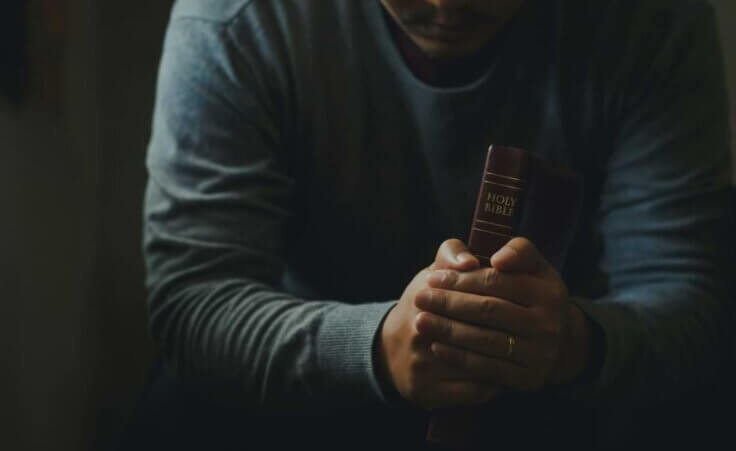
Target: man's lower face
x,y
447,29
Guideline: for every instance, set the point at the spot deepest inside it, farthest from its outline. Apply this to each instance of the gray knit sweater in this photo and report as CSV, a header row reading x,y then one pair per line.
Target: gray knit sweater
x,y
300,175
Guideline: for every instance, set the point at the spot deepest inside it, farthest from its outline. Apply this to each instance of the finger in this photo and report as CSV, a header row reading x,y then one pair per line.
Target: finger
x,y
494,371
520,288
487,342
453,254
485,311
519,255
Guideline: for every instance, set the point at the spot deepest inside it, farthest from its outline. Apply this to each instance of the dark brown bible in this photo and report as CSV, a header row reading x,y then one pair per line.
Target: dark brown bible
x,y
499,201
520,195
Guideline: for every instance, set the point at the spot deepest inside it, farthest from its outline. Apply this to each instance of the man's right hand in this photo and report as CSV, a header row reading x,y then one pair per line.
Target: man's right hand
x,y
405,358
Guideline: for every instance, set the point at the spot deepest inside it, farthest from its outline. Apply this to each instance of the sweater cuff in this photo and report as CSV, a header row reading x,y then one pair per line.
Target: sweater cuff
x,y
346,340
609,356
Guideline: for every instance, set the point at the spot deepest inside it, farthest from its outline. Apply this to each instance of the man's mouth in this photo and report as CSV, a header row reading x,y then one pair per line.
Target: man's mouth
x,y
444,31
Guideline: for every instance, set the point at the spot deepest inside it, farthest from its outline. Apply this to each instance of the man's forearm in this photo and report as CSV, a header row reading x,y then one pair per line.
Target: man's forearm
x,y
268,351
649,355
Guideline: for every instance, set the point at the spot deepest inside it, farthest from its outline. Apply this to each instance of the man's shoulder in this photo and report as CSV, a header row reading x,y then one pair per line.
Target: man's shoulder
x,y
632,16
640,6
666,18
634,36
210,10
662,13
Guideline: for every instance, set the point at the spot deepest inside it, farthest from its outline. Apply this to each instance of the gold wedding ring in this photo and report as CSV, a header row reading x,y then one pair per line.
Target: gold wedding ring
x,y
512,342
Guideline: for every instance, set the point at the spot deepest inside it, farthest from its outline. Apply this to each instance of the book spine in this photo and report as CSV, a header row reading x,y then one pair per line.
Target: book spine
x,y
499,201
497,213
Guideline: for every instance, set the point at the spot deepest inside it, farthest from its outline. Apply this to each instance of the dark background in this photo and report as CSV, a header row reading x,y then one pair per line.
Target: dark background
x,y
73,342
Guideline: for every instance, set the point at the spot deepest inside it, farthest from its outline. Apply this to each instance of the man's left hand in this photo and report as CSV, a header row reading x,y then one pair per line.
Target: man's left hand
x,y
511,324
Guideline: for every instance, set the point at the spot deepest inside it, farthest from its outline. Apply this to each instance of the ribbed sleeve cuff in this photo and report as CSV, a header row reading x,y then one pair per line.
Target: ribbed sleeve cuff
x,y
345,342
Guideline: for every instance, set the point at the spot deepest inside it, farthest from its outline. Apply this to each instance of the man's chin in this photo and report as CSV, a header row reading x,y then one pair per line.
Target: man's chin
x,y
445,51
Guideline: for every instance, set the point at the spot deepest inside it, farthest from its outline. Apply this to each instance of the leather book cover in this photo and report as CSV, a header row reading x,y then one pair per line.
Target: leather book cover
x,y
520,195
499,201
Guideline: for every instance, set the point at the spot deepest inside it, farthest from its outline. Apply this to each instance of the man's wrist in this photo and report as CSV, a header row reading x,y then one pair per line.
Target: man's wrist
x,y
580,340
380,365
583,353
596,351
576,349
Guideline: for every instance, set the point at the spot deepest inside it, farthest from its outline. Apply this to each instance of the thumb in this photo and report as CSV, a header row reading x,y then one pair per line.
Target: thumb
x,y
520,255
454,254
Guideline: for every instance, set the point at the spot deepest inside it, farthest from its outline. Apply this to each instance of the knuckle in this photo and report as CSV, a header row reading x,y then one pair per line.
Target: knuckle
x,y
426,292
491,276
440,300
427,295
449,277
487,308
423,293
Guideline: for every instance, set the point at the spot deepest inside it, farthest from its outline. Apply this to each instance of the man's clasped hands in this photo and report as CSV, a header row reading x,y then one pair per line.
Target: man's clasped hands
x,y
462,333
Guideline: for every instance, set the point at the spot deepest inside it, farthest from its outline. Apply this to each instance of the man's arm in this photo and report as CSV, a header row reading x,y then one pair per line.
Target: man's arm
x,y
217,202
664,226
663,220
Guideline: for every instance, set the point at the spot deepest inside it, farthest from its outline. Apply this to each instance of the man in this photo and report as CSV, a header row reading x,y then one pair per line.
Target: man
x,y
308,158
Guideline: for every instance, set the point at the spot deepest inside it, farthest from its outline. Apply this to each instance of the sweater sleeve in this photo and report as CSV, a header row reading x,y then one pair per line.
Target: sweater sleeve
x,y
663,221
217,203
